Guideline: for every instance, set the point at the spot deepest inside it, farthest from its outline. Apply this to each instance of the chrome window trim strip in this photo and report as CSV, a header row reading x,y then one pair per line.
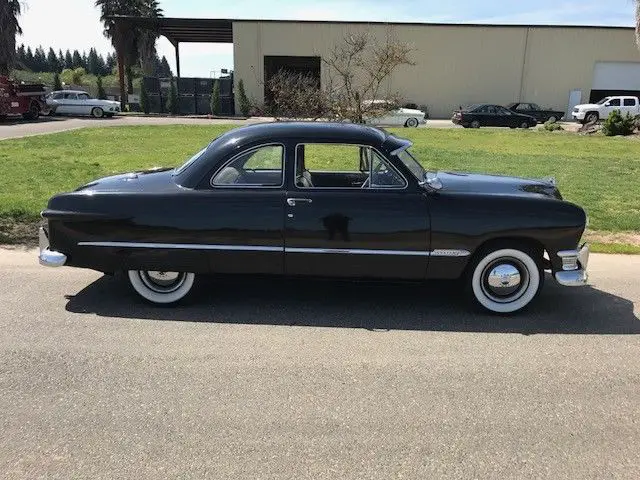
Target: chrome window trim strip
x,y
260,248
248,150
382,156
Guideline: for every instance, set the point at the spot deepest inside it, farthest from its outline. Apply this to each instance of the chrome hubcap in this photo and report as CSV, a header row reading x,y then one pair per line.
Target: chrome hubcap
x,y
505,280
162,282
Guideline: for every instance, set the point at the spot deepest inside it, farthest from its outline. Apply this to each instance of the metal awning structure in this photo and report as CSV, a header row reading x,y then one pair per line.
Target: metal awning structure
x,y
177,31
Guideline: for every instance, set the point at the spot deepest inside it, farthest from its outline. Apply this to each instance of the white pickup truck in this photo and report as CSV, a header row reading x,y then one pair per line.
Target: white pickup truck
x,y
592,112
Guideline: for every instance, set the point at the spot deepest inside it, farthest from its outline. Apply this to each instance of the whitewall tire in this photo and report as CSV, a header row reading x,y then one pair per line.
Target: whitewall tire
x,y
505,280
412,123
161,287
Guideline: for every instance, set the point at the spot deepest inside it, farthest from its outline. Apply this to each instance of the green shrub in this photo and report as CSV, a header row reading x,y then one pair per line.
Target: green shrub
x,y
617,124
215,98
102,95
243,101
172,101
552,126
144,99
57,84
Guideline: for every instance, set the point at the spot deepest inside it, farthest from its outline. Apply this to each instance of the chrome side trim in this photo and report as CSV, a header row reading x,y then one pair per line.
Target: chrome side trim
x,y
260,248
450,253
357,251
193,246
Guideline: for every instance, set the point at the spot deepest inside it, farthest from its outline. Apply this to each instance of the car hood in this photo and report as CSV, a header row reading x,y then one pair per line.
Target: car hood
x,y
154,180
587,105
462,182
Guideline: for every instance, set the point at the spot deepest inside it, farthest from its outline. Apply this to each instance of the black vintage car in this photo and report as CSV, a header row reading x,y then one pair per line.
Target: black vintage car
x,y
488,115
534,110
318,199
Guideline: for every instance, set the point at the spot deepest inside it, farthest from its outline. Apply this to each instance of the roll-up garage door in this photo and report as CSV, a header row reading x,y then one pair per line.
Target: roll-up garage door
x,y
615,78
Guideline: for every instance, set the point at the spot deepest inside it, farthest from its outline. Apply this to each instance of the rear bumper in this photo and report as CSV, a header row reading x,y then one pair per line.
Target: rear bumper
x,y
574,272
49,258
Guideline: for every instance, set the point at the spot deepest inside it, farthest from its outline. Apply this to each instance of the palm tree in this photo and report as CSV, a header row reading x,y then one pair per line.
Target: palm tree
x,y
9,27
147,37
637,2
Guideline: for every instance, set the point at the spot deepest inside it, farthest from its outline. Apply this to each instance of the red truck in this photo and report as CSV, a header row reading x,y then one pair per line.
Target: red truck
x,y
16,98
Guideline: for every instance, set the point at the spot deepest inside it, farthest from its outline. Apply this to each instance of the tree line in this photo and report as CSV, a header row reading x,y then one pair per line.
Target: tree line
x,y
93,62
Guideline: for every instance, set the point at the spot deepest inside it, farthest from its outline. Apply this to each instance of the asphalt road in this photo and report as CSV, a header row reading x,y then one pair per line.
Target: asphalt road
x,y
295,380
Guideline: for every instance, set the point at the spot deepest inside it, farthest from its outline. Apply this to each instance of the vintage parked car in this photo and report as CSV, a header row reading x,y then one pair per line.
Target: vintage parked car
x,y
318,199
534,110
77,102
386,114
488,115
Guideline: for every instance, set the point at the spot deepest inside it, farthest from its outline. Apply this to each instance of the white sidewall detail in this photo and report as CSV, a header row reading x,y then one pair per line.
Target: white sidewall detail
x,y
156,297
527,295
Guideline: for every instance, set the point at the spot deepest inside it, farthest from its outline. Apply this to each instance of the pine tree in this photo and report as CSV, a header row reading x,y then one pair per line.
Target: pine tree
x,y
102,95
28,59
60,60
85,61
20,56
92,62
40,60
215,98
68,60
101,66
144,99
111,62
172,101
243,101
57,85
52,61
76,61
165,69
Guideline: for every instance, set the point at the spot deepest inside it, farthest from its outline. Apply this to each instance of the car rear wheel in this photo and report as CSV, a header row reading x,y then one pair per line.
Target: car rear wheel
x,y
33,113
524,125
475,124
412,123
505,279
161,287
552,119
97,112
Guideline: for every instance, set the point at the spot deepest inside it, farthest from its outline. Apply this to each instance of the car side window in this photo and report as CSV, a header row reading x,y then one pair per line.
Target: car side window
x,y
83,96
503,111
70,96
57,96
344,166
615,102
491,109
523,107
629,102
258,167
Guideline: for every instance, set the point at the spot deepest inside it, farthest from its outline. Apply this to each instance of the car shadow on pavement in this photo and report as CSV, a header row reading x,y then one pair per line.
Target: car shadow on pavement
x,y
17,120
434,306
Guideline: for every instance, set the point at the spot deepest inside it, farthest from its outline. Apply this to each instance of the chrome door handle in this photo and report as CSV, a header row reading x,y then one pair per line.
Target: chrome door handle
x,y
292,201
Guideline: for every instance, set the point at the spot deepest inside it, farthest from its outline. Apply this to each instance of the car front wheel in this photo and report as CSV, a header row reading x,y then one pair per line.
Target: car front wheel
x,y
97,112
475,124
161,287
505,280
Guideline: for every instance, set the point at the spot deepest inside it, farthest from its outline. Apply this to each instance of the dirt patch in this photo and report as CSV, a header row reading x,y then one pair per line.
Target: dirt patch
x,y
625,238
22,232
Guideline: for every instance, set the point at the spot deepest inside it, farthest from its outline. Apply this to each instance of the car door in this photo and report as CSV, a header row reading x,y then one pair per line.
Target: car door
x,y
84,104
351,213
240,218
610,106
70,103
629,105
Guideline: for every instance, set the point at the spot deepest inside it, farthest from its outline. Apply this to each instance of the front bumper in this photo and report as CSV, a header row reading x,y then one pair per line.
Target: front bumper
x,y
578,115
49,258
574,272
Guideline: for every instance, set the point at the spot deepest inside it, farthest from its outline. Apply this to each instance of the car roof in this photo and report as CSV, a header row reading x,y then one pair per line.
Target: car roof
x,y
70,91
258,134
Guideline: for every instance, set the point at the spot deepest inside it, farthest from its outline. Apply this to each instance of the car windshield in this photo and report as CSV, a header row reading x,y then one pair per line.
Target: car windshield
x,y
603,101
412,164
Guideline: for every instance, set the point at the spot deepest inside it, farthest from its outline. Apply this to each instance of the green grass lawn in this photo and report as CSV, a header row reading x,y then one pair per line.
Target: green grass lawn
x,y
602,174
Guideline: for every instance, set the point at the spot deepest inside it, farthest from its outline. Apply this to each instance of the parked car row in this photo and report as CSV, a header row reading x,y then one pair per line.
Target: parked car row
x,y
514,115
79,102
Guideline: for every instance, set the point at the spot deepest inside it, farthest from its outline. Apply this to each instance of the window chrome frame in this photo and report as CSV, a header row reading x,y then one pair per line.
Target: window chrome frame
x,y
384,157
244,152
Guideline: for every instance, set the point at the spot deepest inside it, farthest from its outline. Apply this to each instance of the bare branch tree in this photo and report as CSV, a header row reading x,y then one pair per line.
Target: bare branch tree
x,y
358,69
296,95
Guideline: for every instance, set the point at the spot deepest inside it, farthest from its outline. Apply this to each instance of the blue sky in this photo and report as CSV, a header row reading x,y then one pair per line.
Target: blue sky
x,y
75,23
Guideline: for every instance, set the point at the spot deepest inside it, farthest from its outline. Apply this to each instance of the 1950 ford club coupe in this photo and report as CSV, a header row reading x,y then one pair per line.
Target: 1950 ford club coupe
x,y
324,200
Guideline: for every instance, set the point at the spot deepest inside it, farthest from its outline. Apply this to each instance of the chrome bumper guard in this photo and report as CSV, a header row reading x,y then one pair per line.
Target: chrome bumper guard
x,y
574,267
47,257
